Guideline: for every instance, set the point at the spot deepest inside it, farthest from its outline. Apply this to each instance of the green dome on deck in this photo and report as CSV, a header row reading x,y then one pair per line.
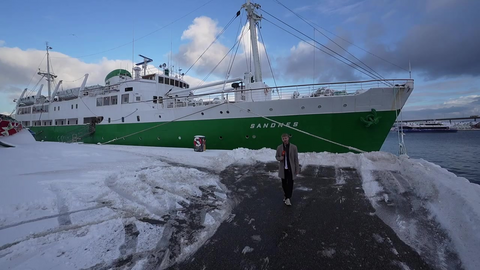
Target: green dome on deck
x,y
118,72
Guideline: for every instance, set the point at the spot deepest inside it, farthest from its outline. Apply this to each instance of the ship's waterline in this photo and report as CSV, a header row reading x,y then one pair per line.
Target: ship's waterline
x,y
235,133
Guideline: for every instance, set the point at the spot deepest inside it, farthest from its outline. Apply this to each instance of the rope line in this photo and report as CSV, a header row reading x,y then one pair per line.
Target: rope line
x,y
331,40
333,54
221,60
216,38
146,35
269,63
301,131
161,124
393,64
402,149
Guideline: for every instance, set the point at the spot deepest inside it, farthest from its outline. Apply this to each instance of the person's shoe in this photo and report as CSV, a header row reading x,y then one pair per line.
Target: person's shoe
x,y
287,202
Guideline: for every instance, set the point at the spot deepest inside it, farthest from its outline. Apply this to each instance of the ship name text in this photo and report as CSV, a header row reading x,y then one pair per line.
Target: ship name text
x,y
273,125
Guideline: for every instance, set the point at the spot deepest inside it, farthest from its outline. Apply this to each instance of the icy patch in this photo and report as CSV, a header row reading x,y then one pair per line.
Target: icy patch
x,y
328,252
302,188
247,249
378,238
256,238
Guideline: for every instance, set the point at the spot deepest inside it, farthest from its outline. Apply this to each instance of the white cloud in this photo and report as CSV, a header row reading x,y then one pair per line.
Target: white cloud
x,y
339,7
461,100
18,70
200,34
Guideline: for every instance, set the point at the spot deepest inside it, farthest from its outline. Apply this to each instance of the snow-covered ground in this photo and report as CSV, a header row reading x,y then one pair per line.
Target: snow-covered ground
x,y
72,206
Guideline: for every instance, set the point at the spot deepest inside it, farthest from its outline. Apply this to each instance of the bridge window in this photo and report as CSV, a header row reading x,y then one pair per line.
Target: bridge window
x,y
128,89
99,102
124,98
160,79
172,82
176,83
167,81
154,99
114,100
106,101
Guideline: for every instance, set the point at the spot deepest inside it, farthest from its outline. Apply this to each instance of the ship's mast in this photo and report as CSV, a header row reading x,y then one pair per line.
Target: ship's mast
x,y
48,76
253,18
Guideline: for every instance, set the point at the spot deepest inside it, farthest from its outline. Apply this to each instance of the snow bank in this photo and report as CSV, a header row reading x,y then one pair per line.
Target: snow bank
x,y
104,201
20,138
452,202
60,200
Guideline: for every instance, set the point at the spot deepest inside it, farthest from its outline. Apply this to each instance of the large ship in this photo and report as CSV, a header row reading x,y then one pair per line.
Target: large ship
x,y
432,126
162,109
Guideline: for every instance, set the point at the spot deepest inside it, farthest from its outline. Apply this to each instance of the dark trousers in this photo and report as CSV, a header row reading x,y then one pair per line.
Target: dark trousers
x,y
287,184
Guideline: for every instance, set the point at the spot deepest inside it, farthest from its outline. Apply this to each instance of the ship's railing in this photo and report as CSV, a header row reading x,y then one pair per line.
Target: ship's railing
x,y
281,92
303,91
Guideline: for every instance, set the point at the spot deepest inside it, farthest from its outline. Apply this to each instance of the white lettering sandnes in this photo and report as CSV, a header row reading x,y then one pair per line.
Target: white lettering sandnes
x,y
273,125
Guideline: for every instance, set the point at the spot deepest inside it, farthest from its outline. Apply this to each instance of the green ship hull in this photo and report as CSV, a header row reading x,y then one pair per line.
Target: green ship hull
x,y
349,129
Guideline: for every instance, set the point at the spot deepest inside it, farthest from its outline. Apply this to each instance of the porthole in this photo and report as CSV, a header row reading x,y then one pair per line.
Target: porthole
x,y
253,136
271,109
140,138
303,107
221,112
159,116
158,138
102,138
319,106
246,136
228,111
344,105
221,138
179,137
203,113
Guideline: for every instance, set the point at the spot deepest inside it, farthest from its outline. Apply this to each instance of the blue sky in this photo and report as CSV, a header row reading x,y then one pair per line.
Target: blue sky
x,y
439,38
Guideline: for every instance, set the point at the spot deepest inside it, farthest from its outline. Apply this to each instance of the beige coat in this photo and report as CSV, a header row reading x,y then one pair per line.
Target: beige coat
x,y
293,157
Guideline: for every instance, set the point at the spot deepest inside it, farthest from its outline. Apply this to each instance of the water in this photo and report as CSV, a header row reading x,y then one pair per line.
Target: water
x,y
457,152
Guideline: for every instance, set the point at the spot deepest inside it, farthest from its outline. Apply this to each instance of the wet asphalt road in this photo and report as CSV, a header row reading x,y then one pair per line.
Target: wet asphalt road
x,y
331,225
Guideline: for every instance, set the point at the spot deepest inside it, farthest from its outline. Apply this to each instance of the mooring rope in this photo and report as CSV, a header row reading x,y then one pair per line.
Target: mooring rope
x,y
302,131
161,124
